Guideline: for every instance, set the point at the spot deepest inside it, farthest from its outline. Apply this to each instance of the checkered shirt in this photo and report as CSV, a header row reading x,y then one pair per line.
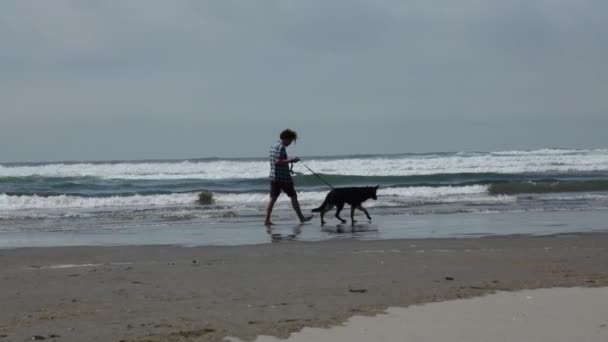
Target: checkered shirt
x,y
279,173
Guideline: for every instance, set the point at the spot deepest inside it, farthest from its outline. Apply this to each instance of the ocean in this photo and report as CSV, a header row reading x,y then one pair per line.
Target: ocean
x,y
129,201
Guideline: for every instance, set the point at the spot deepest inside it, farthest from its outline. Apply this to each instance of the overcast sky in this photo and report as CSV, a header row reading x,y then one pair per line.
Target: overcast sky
x,y
90,80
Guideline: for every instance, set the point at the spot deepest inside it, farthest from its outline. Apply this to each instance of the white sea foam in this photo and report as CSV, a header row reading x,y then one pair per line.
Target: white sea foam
x,y
64,202
176,170
426,192
548,151
573,197
546,160
385,195
391,196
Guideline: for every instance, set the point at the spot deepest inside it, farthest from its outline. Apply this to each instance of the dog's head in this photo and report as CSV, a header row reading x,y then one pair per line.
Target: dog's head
x,y
372,192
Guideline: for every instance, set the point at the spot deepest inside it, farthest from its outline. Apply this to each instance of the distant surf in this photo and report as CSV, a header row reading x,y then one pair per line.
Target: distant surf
x,y
417,184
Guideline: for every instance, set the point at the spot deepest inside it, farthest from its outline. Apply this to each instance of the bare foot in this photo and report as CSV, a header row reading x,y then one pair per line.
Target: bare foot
x,y
305,219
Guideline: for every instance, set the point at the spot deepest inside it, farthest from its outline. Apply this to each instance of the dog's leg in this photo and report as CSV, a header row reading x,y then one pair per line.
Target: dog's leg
x,y
352,216
360,207
322,214
323,211
338,210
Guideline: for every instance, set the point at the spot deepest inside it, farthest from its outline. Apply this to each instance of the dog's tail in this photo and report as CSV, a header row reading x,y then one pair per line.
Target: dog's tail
x,y
319,209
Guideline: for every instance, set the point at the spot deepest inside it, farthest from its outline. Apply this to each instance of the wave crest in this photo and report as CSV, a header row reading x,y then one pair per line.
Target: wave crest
x,y
509,162
547,187
20,202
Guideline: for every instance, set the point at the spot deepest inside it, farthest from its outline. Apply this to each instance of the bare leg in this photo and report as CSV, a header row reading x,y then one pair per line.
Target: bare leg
x,y
271,203
296,206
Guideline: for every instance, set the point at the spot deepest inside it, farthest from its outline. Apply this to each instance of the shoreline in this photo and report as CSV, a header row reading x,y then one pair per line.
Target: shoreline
x,y
172,293
252,232
286,238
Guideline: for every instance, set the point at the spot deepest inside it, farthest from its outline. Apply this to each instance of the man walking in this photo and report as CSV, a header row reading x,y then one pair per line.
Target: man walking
x,y
280,176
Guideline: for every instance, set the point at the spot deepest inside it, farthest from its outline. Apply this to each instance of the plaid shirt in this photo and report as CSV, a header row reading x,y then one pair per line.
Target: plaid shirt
x,y
279,173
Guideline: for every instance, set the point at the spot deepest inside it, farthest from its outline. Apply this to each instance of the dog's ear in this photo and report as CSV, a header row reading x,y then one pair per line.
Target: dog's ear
x,y
377,186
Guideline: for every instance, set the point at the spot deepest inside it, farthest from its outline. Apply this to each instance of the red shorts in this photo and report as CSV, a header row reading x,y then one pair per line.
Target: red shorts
x,y
286,187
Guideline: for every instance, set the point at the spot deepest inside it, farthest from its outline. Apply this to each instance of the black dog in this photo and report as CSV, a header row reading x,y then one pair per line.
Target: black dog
x,y
353,196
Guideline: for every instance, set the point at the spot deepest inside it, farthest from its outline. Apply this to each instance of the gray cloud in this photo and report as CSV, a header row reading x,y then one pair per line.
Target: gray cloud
x,y
159,79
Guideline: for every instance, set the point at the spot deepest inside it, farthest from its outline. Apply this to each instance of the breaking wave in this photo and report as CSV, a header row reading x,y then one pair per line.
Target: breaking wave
x,y
509,162
168,190
547,187
20,202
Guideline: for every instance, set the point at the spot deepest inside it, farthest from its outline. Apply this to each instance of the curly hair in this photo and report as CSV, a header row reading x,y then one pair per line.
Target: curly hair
x,y
289,134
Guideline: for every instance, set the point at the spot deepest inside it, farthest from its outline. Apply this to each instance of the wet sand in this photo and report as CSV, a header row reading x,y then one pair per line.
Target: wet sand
x,y
529,315
169,293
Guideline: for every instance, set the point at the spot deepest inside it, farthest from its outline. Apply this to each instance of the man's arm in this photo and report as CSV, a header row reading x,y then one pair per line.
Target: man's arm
x,y
283,160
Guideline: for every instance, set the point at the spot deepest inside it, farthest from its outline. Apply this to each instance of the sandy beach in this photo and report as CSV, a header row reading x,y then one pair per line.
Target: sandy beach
x,y
170,293
327,170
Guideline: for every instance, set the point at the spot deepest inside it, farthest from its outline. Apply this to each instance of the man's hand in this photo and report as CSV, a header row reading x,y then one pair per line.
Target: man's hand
x,y
294,160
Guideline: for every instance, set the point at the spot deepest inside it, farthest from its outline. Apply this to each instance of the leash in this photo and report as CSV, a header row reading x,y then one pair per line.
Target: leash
x,y
314,173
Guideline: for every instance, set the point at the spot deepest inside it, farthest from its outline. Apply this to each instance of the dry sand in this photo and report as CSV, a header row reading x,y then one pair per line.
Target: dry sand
x,y
168,293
